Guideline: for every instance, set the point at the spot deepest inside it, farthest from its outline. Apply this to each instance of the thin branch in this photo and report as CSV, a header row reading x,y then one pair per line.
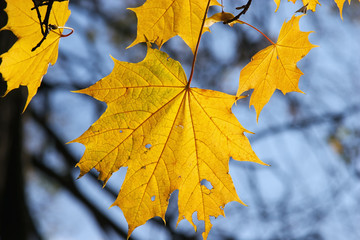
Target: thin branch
x,y
36,7
44,24
244,10
47,16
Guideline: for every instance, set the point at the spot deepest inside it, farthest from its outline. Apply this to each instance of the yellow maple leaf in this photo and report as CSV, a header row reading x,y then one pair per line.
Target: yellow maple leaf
x,y
275,66
20,65
170,136
310,4
160,20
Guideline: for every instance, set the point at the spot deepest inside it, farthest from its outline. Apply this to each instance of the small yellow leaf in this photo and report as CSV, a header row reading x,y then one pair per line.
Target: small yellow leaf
x,y
160,20
220,17
21,66
275,66
170,136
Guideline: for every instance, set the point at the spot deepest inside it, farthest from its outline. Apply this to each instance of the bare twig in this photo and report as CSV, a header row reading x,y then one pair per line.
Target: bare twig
x,y
44,24
244,10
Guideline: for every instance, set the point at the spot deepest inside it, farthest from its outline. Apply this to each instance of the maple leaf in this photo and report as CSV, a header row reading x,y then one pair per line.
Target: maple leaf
x,y
275,66
310,4
20,65
160,20
170,136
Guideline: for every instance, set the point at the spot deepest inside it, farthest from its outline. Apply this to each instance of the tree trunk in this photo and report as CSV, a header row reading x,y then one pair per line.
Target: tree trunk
x,y
15,221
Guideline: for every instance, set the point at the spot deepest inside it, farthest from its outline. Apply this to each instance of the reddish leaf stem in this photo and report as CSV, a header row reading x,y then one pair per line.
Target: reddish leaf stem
x,y
259,32
197,44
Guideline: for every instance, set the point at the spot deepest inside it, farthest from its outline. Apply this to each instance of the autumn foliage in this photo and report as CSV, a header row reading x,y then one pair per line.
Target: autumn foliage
x,y
168,134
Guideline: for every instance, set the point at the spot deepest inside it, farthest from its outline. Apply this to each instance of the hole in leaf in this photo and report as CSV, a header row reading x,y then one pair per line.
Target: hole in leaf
x,y
207,184
121,131
153,198
148,146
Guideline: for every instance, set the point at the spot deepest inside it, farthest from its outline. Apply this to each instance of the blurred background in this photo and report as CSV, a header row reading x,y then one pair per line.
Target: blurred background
x,y
312,141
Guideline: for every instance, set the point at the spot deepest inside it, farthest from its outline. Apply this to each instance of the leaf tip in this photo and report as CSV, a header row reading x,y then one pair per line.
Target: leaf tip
x,y
131,228
136,41
247,131
105,181
81,91
258,111
81,173
113,205
257,118
262,163
77,91
114,59
72,141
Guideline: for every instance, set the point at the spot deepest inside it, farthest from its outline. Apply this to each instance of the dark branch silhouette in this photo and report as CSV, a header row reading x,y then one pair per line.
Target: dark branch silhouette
x,y
244,8
44,23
